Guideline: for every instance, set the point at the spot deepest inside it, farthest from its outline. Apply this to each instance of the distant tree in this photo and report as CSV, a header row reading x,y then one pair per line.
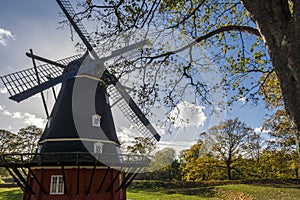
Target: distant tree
x,y
282,129
231,140
244,168
198,166
8,142
204,168
164,165
141,146
163,158
277,164
24,141
28,139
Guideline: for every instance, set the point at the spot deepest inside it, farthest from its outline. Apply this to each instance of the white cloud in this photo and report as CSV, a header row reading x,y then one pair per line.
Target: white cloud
x,y
31,119
261,130
127,134
26,118
243,100
3,90
187,114
257,130
16,115
6,112
5,35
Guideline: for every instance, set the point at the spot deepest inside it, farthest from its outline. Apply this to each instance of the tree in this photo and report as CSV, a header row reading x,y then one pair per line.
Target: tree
x,y
277,164
248,38
253,41
25,141
141,146
231,141
197,166
8,142
28,139
278,24
164,165
162,158
282,130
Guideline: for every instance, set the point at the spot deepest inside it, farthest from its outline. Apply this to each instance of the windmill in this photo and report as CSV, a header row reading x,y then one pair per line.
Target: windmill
x,y
78,152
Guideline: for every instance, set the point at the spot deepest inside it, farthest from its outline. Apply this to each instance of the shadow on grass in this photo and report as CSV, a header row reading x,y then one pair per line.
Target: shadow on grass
x,y
11,195
285,186
204,192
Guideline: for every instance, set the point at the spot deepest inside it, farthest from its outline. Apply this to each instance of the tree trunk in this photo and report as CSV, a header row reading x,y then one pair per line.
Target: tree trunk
x,y
297,140
280,30
228,169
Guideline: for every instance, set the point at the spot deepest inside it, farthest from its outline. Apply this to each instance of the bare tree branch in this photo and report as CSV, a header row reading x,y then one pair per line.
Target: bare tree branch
x,y
247,29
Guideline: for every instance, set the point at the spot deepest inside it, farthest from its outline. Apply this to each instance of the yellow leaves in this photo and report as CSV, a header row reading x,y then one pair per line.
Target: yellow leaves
x,y
170,5
271,90
291,6
257,55
254,45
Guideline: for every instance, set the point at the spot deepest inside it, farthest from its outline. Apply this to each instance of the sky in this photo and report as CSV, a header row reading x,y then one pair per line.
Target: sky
x,y
25,25
33,24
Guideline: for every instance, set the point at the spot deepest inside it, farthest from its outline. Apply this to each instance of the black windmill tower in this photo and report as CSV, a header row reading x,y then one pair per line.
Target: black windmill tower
x,y
78,152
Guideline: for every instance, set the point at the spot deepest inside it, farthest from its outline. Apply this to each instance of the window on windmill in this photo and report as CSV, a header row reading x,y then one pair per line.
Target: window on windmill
x,y
96,120
57,184
98,147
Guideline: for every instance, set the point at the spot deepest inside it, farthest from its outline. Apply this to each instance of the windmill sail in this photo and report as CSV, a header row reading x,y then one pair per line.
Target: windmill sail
x,y
68,10
24,84
139,121
139,117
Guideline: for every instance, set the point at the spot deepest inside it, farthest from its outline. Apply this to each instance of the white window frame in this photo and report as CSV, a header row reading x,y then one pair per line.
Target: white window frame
x,y
98,144
56,189
96,120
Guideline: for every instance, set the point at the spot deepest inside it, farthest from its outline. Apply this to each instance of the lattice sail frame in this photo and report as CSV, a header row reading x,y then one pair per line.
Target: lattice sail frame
x,y
121,103
22,81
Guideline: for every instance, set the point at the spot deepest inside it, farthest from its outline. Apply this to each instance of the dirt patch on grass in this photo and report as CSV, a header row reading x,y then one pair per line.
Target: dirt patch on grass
x,y
232,195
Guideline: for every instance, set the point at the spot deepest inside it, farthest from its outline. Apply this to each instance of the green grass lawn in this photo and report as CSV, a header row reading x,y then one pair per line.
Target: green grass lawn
x,y
11,194
266,191
236,191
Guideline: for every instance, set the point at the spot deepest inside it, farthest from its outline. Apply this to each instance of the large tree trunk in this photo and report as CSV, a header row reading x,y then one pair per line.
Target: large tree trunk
x,y
280,30
228,169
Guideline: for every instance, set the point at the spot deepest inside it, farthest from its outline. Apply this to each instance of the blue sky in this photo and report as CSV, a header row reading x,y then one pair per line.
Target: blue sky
x,y
33,24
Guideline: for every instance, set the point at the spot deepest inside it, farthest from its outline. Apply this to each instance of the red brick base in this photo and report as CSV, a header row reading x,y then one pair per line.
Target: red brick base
x,y
71,176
